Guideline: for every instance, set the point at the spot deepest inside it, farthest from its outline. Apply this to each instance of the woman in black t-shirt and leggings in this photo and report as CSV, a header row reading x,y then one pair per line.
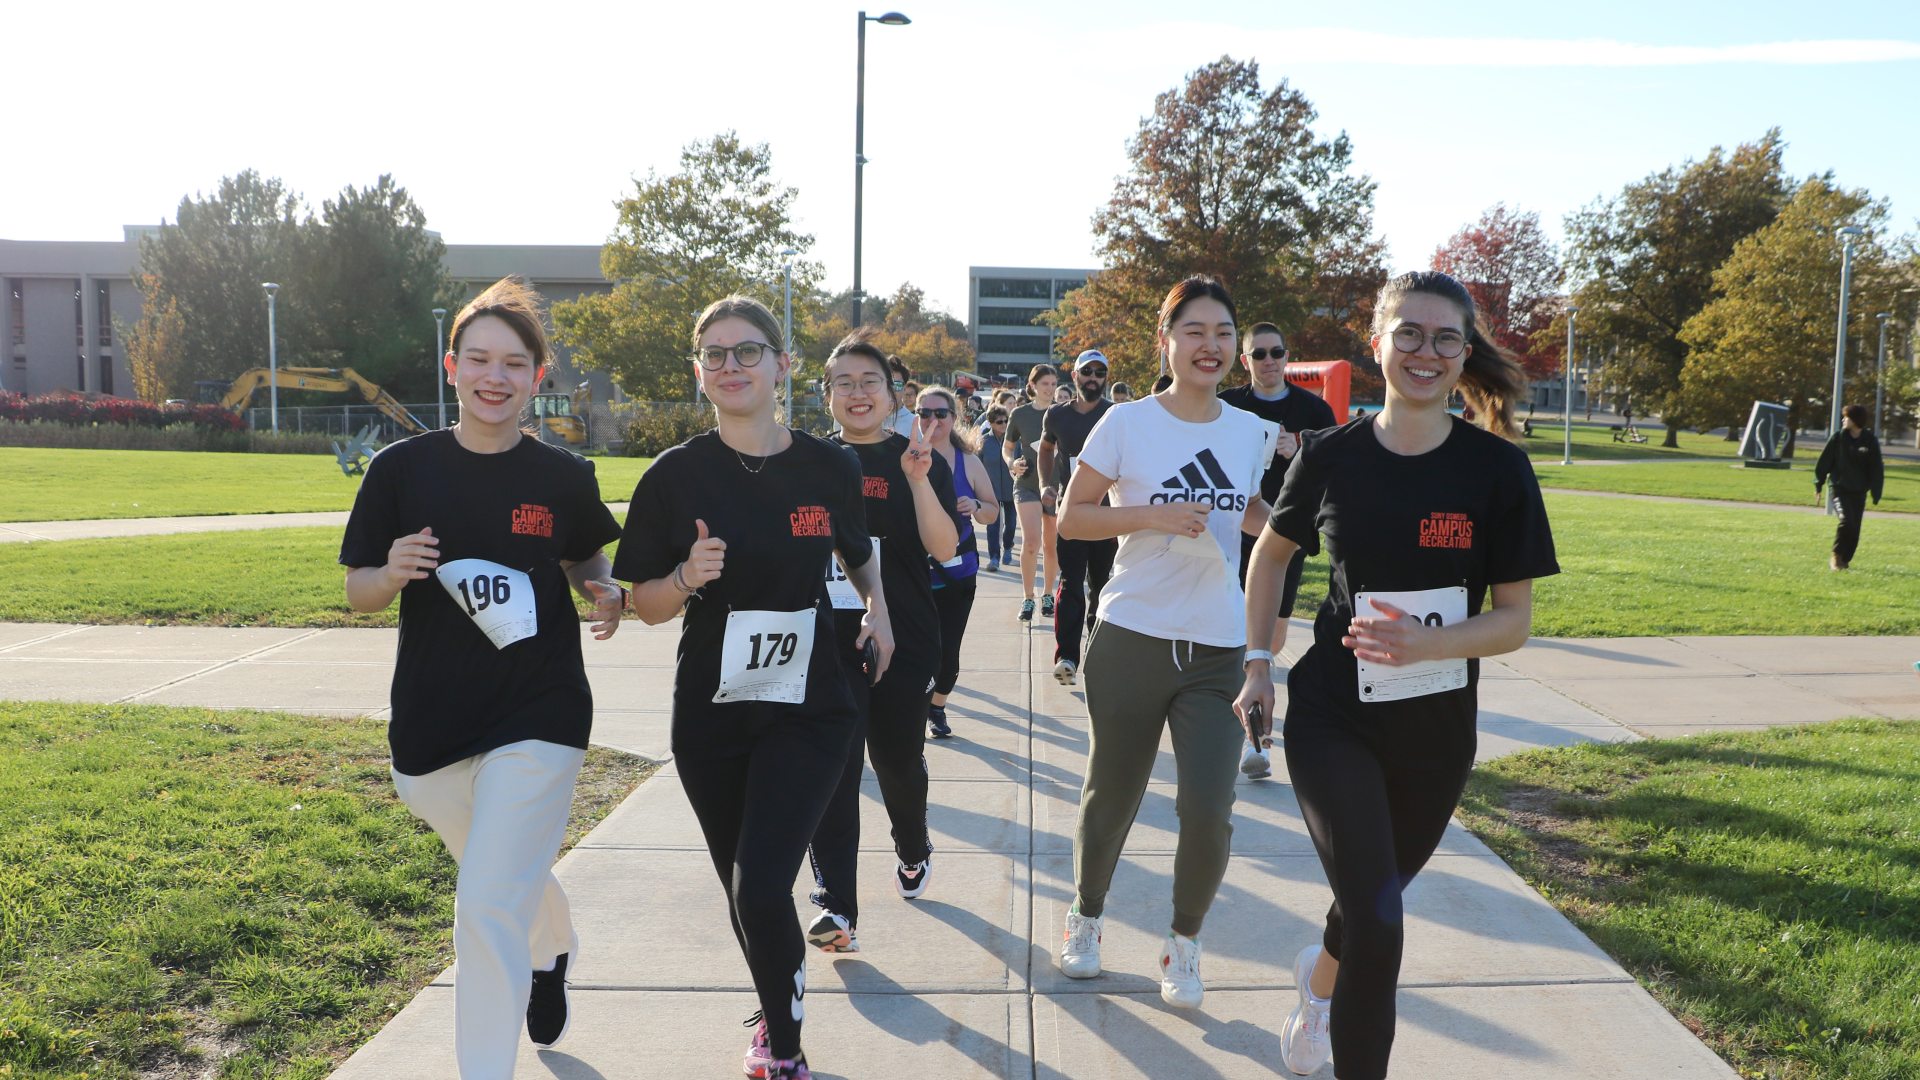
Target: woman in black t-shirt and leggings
x,y
908,489
734,526
1424,516
480,531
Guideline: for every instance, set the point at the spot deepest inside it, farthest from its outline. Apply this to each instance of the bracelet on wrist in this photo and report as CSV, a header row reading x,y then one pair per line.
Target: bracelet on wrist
x,y
680,582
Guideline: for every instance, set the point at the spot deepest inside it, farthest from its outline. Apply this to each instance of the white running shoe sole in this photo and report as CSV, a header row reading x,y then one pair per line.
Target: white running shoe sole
x,y
1063,672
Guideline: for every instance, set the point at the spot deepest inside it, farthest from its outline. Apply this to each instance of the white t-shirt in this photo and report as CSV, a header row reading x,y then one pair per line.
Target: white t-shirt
x,y
1171,587
901,422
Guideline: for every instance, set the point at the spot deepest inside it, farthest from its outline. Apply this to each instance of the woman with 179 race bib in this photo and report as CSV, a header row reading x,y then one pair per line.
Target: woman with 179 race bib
x,y
735,526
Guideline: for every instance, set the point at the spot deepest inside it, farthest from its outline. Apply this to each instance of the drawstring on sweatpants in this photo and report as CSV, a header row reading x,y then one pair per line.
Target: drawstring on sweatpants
x,y
1173,649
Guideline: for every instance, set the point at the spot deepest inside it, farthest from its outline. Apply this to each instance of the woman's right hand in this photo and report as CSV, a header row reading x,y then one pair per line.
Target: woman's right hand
x,y
412,558
1257,690
705,559
1182,518
1018,466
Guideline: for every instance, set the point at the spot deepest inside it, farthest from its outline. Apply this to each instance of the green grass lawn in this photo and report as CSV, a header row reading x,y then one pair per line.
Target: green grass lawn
x,y
1765,886
188,892
1721,480
1630,569
1594,442
80,485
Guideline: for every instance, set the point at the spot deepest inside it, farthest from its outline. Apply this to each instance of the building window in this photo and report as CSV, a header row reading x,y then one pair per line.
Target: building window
x,y
1062,288
1010,316
1020,344
106,375
104,313
1016,289
16,287
80,330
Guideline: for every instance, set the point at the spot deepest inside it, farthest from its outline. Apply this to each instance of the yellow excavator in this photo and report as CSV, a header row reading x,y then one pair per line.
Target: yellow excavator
x,y
324,380
564,416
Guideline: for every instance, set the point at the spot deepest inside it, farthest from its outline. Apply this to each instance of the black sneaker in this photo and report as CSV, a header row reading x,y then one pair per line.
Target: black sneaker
x,y
548,1016
911,881
937,722
1046,605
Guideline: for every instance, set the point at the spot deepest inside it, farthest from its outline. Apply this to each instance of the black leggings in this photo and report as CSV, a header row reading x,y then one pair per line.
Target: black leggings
x,y
1376,799
757,812
894,720
1289,589
1846,536
1085,566
955,601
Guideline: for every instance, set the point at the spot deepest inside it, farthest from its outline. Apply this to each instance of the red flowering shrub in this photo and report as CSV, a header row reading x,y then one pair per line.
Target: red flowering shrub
x,y
67,408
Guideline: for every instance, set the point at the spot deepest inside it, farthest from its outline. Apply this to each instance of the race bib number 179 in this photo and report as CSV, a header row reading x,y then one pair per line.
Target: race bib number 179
x,y
765,656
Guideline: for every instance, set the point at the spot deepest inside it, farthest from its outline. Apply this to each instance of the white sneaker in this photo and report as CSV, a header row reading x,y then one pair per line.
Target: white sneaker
x,y
1180,972
1080,951
1305,1044
1063,672
1256,762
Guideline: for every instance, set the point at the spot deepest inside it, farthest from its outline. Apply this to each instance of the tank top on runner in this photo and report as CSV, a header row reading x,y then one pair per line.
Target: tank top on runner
x,y
966,558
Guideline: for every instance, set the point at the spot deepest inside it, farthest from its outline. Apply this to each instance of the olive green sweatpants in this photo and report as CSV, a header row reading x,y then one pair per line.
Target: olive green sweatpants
x,y
1138,686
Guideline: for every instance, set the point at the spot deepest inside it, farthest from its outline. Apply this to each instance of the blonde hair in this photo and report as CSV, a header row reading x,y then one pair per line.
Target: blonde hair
x,y
961,435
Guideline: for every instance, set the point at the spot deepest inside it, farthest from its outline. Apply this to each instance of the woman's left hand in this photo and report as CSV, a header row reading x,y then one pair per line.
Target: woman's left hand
x,y
965,506
1395,639
917,462
608,598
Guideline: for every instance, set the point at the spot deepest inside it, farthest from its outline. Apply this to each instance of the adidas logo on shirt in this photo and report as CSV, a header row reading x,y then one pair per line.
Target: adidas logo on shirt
x,y
1201,480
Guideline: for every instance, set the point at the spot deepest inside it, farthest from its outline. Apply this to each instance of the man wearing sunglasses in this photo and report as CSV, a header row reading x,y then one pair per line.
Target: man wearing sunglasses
x,y
1085,565
1263,352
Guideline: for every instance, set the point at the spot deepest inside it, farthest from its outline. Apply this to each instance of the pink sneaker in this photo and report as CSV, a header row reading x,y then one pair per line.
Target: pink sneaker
x,y
759,1056
789,1070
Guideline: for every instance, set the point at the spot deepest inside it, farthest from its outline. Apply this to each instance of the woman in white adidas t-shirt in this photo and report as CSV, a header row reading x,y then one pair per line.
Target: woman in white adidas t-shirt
x,y
1182,475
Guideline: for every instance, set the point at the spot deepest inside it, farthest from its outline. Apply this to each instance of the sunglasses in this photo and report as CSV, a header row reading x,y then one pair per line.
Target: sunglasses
x,y
933,414
1094,370
1261,354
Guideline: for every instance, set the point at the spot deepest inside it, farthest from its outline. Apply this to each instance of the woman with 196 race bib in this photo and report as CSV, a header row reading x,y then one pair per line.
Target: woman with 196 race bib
x,y
735,526
1426,518
480,531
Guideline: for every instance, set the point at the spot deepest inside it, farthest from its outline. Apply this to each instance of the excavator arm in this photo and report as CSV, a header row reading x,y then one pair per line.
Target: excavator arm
x,y
325,380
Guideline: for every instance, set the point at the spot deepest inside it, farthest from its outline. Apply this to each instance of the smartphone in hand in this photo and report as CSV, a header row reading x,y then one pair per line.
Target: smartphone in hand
x,y
870,661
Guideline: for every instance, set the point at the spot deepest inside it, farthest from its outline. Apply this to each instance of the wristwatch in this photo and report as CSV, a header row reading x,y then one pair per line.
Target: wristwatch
x,y
1257,654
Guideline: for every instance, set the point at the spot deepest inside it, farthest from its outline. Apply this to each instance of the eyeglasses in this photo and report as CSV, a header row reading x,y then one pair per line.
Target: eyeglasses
x,y
1261,354
899,384
933,414
1447,344
749,353
848,387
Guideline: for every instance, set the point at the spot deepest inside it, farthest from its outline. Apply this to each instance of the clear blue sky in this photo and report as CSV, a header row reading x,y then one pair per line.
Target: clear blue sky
x,y
994,129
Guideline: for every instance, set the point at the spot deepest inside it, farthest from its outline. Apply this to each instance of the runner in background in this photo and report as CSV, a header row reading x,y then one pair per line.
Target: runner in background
x,y
909,492
735,526
1425,517
1021,453
480,531
900,420
1122,393
993,435
1183,472
1852,460
1085,565
953,579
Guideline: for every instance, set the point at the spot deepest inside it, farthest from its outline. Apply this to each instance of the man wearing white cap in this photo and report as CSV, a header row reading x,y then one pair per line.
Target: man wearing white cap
x,y
1085,565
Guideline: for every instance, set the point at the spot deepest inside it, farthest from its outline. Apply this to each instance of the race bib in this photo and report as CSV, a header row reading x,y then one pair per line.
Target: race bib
x,y
765,656
1435,607
840,590
498,600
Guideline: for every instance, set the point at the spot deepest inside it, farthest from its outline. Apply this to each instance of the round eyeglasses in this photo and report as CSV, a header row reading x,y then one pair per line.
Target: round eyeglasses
x,y
749,353
1447,344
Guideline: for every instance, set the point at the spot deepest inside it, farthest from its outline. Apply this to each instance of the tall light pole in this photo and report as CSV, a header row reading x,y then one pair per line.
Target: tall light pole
x,y
439,373
891,18
1880,375
273,359
786,330
1566,391
1848,234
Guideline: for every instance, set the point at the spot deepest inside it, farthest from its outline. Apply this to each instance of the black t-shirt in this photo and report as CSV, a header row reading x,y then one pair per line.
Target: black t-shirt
x,y
454,693
891,516
781,523
1299,411
1467,513
1067,428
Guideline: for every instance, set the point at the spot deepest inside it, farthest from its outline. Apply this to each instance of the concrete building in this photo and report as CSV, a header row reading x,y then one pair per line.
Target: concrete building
x,y
1002,302
61,290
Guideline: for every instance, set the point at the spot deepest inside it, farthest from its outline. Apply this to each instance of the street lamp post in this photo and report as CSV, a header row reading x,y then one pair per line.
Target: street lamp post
x,y
1566,391
1880,375
1848,234
786,331
273,360
891,18
440,350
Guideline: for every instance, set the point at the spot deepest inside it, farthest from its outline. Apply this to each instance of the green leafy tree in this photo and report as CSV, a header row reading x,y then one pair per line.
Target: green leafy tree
x,y
932,343
1768,333
717,226
155,346
1231,181
209,265
1642,264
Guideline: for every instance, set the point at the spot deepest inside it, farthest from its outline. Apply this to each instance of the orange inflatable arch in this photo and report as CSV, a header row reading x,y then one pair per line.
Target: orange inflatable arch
x,y
1331,379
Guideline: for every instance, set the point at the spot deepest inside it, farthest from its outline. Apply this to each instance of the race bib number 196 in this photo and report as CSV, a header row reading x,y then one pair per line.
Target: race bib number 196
x,y
765,656
497,599
1435,607
841,591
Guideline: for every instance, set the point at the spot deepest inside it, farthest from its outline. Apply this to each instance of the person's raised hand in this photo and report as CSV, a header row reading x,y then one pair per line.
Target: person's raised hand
x,y
607,602
412,558
917,461
705,559
1182,518
1393,640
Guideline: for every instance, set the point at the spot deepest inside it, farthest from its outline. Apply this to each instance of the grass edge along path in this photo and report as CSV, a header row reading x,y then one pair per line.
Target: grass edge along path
x,y
190,891
1764,886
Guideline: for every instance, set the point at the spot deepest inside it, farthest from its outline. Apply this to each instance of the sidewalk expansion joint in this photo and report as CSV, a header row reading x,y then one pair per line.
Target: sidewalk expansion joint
x,y
221,666
45,637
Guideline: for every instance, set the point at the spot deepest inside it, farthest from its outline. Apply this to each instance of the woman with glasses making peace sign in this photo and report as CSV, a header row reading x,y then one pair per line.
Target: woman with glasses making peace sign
x,y
733,526
908,490
954,581
1426,518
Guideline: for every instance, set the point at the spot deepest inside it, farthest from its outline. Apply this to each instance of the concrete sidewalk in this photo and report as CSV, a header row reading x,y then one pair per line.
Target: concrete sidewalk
x,y
963,983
